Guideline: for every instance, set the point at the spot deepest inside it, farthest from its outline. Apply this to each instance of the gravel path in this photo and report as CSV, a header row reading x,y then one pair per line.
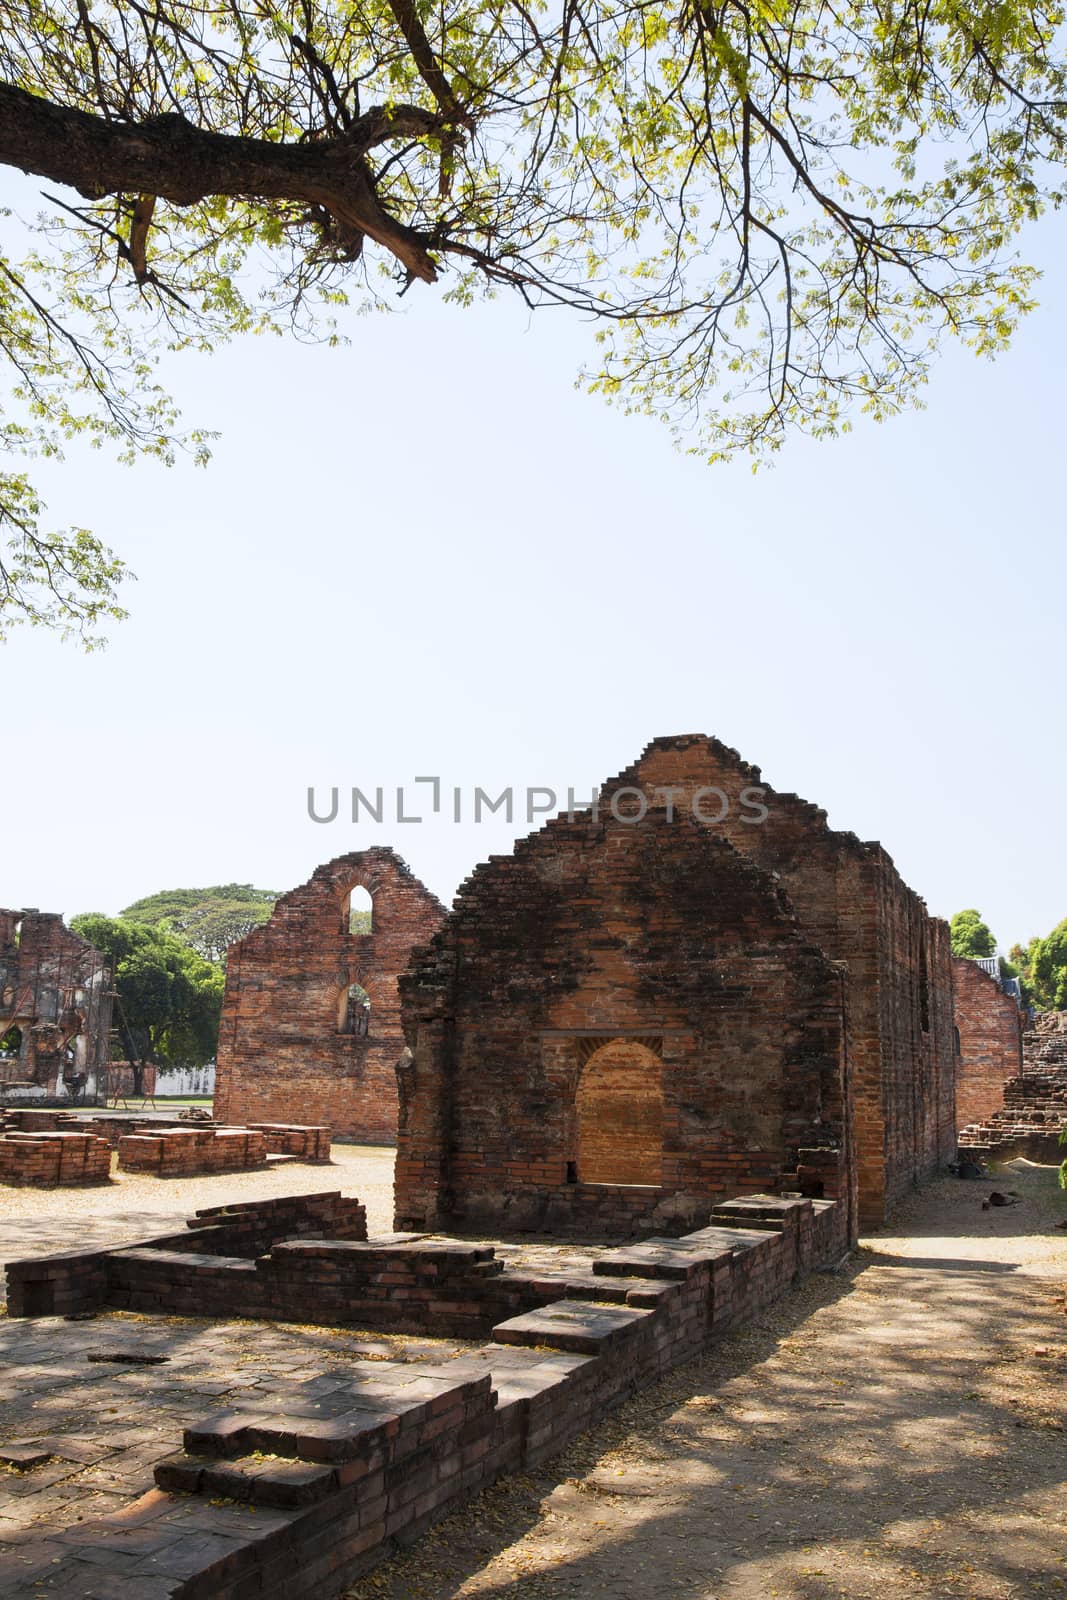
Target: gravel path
x,y
895,1430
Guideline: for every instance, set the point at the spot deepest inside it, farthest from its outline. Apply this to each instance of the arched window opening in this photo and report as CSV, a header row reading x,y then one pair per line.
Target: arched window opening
x,y
619,1108
359,911
956,1038
11,1043
355,1019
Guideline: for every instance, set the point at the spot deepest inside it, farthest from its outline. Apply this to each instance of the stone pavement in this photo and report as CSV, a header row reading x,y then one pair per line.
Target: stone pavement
x,y
104,1424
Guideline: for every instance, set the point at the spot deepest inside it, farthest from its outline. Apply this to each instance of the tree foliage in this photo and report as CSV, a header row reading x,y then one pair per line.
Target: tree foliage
x,y
970,935
169,997
1043,967
771,209
208,919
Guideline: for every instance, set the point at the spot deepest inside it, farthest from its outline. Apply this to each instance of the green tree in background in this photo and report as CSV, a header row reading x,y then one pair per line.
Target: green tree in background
x,y
772,213
208,919
169,997
1043,967
970,935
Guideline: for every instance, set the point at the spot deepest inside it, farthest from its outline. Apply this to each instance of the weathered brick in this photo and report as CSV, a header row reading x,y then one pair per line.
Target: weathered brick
x,y
285,1050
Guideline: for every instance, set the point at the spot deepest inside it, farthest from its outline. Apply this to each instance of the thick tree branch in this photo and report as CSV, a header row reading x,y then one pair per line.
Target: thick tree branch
x,y
173,160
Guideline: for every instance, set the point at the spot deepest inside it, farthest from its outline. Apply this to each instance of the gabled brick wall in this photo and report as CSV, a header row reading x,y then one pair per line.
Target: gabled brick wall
x,y
656,934
991,1042
283,1056
852,903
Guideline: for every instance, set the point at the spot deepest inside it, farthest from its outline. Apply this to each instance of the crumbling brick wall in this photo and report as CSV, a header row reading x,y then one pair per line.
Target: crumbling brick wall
x,y
288,1048
990,1041
56,989
656,941
852,903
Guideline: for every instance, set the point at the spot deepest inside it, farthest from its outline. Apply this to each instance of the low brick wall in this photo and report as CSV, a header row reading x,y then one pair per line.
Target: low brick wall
x,y
77,1280
327,1499
19,1120
110,1128
309,1143
49,1160
182,1152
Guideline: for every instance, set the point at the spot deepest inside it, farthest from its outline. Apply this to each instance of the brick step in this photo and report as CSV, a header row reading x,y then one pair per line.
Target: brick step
x,y
667,1259
730,1219
256,1480
621,1291
582,1327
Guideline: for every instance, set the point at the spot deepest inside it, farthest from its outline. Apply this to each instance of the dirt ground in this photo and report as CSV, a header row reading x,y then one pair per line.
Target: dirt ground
x,y
896,1429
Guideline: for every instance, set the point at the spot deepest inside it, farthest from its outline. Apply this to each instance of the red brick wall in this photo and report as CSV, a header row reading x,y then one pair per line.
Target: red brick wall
x,y
281,1055
991,1042
655,932
851,902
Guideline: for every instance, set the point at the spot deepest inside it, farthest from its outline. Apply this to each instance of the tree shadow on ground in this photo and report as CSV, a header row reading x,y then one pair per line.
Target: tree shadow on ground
x,y
865,1437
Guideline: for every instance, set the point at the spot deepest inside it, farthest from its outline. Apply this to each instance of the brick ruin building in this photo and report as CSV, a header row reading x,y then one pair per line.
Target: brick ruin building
x,y
310,1028
989,1028
1033,1110
552,962
55,999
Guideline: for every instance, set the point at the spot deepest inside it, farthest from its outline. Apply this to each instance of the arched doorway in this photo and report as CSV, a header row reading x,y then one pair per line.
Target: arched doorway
x,y
619,1108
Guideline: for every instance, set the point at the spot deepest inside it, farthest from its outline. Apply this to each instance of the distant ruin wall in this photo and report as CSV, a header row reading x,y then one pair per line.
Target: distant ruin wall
x,y
291,1048
56,989
990,1042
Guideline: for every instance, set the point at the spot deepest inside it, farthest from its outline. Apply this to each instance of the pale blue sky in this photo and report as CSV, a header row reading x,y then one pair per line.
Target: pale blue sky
x,y
428,554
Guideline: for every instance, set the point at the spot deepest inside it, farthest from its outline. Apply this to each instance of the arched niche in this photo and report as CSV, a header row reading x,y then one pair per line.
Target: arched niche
x,y
619,1107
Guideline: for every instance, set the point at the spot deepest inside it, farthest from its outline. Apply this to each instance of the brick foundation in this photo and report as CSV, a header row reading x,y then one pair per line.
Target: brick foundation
x,y
328,1499
52,1160
77,1280
183,1152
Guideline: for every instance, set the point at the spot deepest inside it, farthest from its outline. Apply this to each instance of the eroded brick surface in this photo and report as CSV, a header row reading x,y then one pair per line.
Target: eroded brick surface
x,y
294,1488
56,989
587,935
659,946
291,1049
851,902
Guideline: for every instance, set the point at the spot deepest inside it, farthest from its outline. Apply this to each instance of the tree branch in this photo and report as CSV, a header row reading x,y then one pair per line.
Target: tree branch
x,y
174,160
